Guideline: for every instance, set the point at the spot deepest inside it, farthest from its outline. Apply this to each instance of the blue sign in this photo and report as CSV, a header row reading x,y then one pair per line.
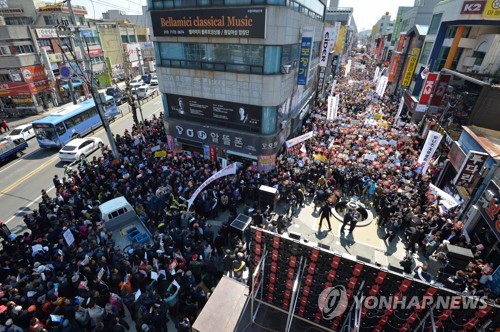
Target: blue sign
x,y
65,72
87,33
305,56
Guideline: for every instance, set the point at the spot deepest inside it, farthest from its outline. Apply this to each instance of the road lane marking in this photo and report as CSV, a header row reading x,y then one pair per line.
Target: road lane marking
x,y
27,176
30,204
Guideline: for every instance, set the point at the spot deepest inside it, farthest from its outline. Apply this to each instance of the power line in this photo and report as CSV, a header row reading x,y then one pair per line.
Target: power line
x,y
102,2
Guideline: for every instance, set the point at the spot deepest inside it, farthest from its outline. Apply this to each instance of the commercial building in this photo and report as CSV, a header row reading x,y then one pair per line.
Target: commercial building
x,y
237,81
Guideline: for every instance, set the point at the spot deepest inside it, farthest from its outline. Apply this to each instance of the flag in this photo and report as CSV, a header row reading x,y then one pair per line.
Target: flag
x,y
303,149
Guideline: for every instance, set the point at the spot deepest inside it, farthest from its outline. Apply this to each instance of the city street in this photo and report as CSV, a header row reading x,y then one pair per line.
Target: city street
x,y
22,179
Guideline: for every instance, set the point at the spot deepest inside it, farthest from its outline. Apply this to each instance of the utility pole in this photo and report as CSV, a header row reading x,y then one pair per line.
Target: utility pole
x,y
92,86
139,58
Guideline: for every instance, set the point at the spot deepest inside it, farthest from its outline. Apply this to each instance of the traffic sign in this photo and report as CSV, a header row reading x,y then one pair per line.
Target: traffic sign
x,y
65,72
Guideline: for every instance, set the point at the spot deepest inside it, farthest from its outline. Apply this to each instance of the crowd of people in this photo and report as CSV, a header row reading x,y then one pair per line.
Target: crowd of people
x,y
91,284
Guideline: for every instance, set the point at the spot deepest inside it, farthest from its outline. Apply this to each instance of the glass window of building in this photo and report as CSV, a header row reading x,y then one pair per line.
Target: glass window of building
x,y
49,20
435,23
426,51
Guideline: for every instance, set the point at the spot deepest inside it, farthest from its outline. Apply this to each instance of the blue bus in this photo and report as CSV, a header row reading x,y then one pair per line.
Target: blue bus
x,y
58,128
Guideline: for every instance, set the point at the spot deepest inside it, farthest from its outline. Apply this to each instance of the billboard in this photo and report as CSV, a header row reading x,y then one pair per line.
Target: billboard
x,y
305,55
492,9
220,22
214,111
326,46
393,67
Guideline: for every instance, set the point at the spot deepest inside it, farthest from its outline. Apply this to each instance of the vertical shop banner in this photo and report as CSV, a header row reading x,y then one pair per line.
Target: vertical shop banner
x,y
441,87
430,146
470,172
321,79
347,68
340,40
228,170
428,87
326,45
334,85
336,32
266,163
393,68
410,68
305,55
401,43
213,153
375,77
382,84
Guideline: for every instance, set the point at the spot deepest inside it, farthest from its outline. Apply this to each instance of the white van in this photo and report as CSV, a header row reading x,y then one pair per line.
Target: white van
x,y
144,92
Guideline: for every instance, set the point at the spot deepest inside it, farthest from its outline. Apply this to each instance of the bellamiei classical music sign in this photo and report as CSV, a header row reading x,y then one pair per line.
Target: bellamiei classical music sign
x,y
221,22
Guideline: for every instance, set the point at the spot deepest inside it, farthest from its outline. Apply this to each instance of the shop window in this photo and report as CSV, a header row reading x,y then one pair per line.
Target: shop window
x,y
426,51
25,49
49,20
4,78
4,50
269,119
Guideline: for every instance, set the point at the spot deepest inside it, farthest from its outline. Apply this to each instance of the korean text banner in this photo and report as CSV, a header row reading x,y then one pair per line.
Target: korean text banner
x,y
240,116
410,68
305,57
299,139
327,45
220,22
228,170
430,146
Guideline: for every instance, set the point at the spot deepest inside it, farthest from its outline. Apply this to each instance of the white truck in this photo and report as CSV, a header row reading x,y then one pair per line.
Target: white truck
x,y
120,219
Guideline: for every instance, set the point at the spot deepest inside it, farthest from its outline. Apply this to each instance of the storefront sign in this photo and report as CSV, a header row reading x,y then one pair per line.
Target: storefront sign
x,y
430,146
327,45
267,163
410,101
441,86
489,206
33,73
88,33
410,68
214,111
401,43
469,174
321,79
393,67
473,7
428,87
94,52
456,156
46,33
58,57
305,58
492,9
220,22
238,141
131,50
35,81
213,153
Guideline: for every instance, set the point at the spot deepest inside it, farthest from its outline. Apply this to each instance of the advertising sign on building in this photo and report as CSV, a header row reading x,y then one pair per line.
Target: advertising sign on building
x,y
428,87
220,22
410,68
430,146
492,9
321,79
131,50
305,55
489,206
470,172
441,86
46,33
326,45
214,111
401,42
473,7
266,163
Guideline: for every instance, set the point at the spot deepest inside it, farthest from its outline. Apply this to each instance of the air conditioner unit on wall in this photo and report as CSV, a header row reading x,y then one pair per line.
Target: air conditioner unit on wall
x,y
285,69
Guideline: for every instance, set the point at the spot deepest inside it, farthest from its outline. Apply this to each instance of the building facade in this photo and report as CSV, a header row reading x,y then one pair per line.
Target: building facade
x,y
236,80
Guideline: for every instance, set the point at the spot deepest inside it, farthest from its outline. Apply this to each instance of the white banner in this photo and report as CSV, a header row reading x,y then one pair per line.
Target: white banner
x,y
336,108
400,108
330,113
430,146
382,86
228,170
299,139
326,46
347,68
447,201
375,77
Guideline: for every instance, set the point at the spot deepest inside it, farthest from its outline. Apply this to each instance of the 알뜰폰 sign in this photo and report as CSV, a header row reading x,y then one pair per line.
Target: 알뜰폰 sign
x,y
220,22
214,111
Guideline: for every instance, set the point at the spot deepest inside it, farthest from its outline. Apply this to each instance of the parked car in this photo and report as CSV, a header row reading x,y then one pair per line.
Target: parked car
x,y
136,80
154,80
144,92
25,131
80,148
11,147
146,78
117,94
135,86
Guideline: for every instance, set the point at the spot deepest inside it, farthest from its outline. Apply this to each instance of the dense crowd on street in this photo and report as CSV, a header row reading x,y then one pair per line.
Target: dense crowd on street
x,y
89,286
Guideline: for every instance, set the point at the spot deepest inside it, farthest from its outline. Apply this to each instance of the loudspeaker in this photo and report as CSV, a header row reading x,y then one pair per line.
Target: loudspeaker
x,y
293,235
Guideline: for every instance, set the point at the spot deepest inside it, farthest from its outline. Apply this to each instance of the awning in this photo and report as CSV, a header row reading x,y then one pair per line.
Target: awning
x,y
75,84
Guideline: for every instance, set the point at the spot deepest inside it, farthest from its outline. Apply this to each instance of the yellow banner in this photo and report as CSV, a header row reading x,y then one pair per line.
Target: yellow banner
x,y
492,9
320,157
340,41
160,154
412,63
